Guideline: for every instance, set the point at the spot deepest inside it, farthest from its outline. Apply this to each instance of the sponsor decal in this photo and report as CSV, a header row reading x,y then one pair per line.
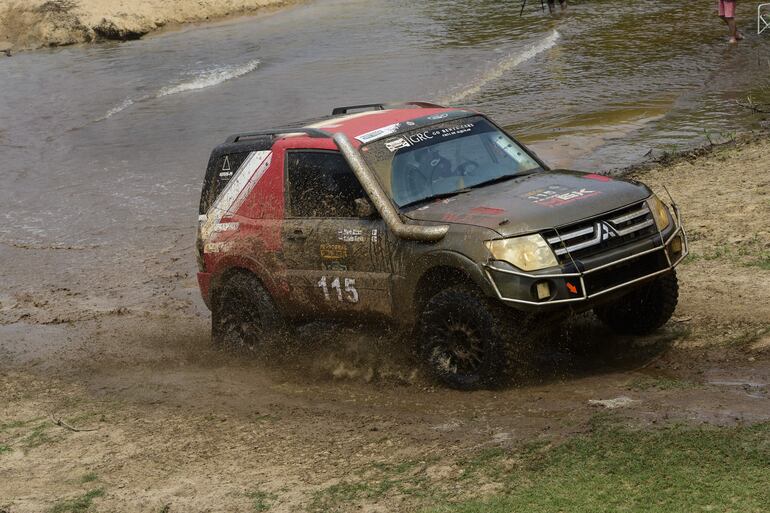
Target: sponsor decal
x,y
333,251
226,227
553,197
217,247
436,117
487,211
598,178
351,235
420,137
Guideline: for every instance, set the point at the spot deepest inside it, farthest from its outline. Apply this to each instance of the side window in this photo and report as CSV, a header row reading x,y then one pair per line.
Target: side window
x,y
321,184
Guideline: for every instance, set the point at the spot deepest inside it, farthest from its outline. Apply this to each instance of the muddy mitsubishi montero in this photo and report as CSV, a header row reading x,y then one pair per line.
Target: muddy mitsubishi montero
x,y
434,219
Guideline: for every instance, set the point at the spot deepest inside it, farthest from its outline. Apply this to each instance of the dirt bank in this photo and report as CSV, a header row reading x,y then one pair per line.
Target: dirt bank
x,y
344,421
26,24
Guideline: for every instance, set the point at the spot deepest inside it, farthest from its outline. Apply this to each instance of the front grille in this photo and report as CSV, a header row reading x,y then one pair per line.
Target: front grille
x,y
601,233
625,272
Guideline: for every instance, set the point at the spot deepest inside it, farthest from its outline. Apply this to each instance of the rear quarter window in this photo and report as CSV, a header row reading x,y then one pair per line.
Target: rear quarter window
x,y
218,174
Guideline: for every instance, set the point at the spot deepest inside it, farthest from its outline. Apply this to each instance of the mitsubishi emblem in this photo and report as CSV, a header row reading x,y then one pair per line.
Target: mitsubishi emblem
x,y
607,231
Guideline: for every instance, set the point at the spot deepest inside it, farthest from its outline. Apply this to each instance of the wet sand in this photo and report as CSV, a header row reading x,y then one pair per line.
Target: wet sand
x,y
179,423
30,24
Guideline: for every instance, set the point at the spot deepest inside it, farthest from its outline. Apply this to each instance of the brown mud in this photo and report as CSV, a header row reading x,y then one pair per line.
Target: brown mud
x,y
180,426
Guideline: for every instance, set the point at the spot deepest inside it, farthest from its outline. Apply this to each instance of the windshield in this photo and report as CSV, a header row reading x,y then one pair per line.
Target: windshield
x,y
445,159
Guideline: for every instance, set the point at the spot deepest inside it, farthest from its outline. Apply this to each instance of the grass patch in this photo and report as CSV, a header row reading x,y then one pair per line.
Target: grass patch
x,y
616,469
36,437
77,505
752,252
89,478
261,501
376,482
4,449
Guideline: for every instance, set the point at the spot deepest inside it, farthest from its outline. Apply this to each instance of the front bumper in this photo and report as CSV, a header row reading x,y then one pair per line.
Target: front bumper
x,y
584,281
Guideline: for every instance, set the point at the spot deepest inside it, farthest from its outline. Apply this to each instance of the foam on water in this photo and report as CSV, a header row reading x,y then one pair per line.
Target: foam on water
x,y
202,80
211,78
506,64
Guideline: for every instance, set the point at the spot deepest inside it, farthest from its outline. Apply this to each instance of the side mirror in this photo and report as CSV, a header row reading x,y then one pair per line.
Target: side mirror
x,y
364,207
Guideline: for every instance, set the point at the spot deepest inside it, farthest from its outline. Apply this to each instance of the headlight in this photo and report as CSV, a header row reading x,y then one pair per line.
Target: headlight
x,y
659,212
528,253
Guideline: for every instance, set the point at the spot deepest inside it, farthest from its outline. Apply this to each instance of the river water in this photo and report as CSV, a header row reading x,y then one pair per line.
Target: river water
x,y
104,146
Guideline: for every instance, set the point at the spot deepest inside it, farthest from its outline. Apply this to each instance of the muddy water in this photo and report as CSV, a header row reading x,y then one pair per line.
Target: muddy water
x,y
102,148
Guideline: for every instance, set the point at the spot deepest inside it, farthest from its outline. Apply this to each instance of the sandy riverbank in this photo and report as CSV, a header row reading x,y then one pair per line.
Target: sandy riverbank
x,y
28,24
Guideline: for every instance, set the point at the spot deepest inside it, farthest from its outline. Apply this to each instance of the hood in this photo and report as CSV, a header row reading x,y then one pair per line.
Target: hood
x,y
534,202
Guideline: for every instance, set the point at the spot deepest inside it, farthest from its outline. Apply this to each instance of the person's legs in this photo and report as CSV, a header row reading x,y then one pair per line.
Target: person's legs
x,y
727,13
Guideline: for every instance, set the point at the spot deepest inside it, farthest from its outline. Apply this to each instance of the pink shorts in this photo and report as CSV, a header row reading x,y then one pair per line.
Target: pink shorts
x,y
726,8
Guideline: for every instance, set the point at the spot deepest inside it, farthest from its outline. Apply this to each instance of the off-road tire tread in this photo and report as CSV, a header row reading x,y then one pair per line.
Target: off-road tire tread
x,y
242,289
501,325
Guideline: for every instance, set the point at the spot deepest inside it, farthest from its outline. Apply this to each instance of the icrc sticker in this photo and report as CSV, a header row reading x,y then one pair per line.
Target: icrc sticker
x,y
397,144
379,133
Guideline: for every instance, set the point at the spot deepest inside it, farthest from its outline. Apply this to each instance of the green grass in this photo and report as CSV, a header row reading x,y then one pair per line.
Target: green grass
x,y
374,483
36,437
77,505
748,253
261,501
4,449
615,469
89,478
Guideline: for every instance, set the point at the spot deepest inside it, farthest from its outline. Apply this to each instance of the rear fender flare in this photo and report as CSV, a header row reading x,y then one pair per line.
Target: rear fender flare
x,y
235,262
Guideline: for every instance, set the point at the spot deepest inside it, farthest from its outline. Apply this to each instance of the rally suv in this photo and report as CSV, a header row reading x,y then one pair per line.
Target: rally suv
x,y
434,219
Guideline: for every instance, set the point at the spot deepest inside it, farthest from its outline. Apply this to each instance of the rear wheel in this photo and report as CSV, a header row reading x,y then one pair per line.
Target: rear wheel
x,y
467,341
243,314
642,310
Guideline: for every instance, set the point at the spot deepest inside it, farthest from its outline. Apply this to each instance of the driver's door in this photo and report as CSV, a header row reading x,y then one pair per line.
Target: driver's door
x,y
337,262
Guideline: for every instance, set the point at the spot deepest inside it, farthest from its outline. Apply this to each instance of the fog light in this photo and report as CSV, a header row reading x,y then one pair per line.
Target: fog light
x,y
543,290
675,247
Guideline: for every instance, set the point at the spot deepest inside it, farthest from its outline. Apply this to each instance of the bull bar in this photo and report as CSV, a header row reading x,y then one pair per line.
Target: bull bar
x,y
585,296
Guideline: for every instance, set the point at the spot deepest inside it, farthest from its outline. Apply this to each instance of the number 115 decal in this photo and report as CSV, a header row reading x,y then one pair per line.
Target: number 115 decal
x,y
348,293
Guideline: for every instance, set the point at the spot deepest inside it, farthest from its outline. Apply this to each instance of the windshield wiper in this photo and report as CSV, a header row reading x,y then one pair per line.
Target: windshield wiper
x,y
436,197
504,178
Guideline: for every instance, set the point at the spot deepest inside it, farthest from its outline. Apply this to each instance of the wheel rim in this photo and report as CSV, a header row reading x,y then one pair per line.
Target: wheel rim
x,y
459,349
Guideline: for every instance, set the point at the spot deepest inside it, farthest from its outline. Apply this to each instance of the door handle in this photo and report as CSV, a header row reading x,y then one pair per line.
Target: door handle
x,y
297,236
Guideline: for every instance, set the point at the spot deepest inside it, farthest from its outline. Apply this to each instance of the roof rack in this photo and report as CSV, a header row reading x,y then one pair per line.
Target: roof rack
x,y
382,106
311,132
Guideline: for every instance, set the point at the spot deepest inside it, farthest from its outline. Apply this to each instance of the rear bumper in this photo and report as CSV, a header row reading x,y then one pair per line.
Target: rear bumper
x,y
204,283
594,282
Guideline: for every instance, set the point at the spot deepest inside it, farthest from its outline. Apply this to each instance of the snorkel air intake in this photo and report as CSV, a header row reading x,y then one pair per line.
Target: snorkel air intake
x,y
381,201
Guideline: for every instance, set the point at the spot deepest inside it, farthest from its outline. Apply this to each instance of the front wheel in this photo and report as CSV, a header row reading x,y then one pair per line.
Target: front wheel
x,y
466,340
243,315
644,309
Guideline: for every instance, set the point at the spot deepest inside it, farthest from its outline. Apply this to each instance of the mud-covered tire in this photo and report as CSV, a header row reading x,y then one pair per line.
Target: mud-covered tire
x,y
466,340
243,315
643,310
